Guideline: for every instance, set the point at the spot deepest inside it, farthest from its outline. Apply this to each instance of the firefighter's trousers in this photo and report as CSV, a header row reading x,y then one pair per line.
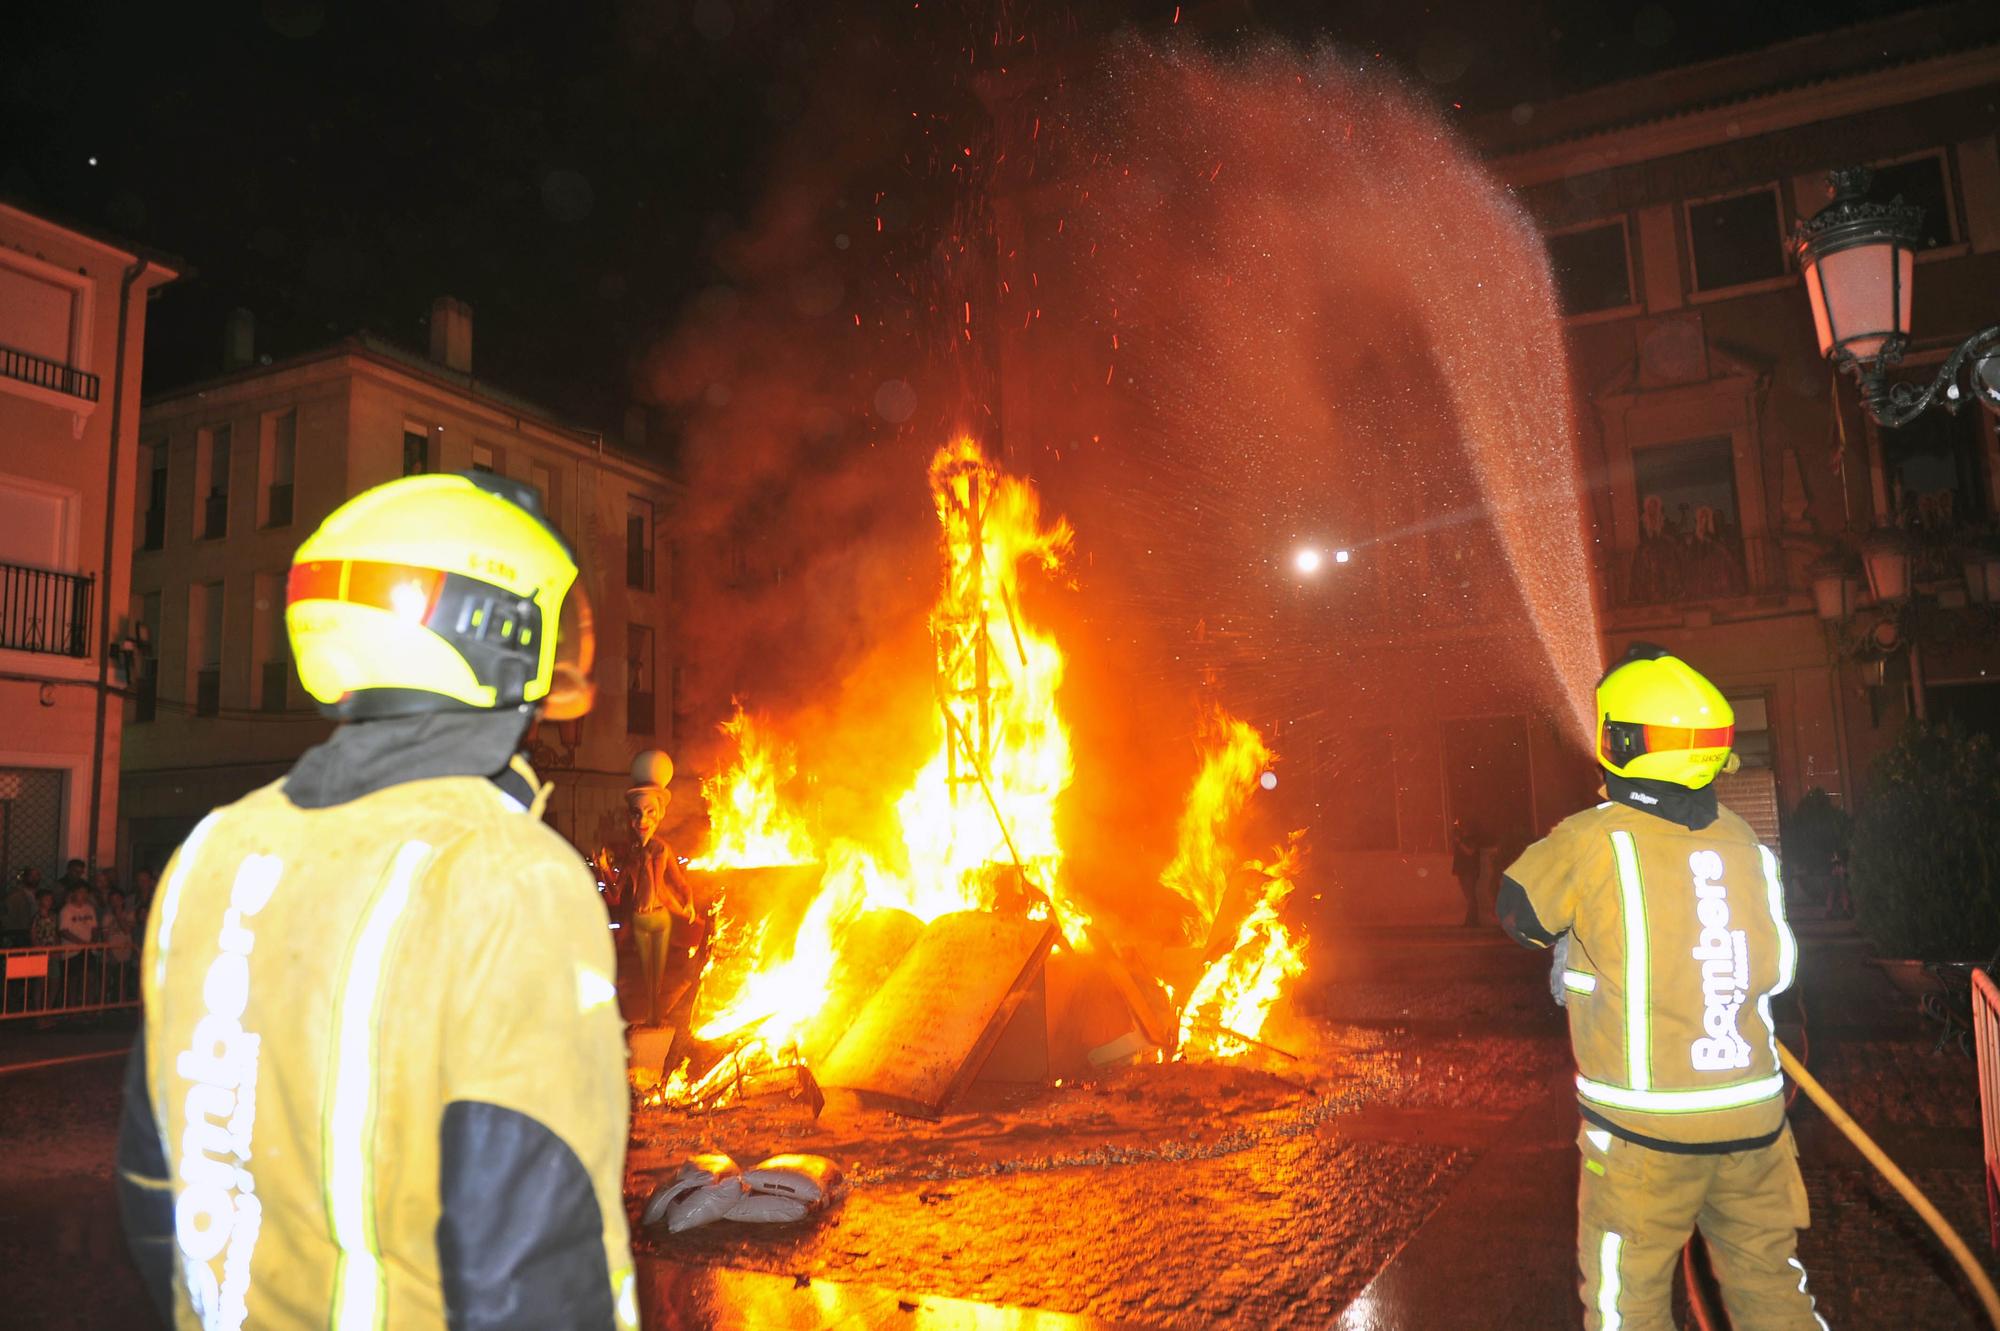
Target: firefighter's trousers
x,y
1636,1207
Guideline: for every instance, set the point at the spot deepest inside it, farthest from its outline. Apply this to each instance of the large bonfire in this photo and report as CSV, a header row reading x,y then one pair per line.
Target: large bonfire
x,y
975,829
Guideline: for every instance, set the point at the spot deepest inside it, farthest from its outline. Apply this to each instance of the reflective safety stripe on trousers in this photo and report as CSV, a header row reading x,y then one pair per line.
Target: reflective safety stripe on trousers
x,y
1638,1092
1607,1281
348,1118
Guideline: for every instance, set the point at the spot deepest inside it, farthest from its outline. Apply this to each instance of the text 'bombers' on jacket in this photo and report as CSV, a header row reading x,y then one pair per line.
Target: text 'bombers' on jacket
x,y
381,1078
1678,943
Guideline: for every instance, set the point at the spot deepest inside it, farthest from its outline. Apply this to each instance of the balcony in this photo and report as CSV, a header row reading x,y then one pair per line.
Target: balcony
x,y
1669,570
44,612
51,375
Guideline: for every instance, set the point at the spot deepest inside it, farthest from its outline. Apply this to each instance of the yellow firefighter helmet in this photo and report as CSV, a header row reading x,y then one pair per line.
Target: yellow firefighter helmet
x,y
1658,718
440,593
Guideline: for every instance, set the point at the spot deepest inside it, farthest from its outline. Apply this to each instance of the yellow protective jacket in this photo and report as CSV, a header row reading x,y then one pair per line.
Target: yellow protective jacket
x,y
381,1078
1678,943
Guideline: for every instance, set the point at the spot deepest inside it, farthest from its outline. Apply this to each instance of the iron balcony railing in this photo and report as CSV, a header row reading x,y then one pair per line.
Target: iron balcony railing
x,y
42,611
45,373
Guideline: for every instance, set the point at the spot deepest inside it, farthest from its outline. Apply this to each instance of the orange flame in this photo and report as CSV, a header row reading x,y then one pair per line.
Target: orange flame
x,y
977,821
1235,756
1231,1001
749,826
1234,995
976,826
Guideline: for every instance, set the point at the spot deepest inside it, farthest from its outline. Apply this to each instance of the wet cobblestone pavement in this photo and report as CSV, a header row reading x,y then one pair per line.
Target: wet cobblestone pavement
x,y
1414,1171
1426,1129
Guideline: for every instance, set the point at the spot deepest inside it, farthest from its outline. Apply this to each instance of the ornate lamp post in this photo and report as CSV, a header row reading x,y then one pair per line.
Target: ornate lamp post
x,y
1858,257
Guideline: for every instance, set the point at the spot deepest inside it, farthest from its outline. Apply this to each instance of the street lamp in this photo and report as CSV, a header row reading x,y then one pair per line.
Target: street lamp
x,y
1832,586
1885,554
1858,257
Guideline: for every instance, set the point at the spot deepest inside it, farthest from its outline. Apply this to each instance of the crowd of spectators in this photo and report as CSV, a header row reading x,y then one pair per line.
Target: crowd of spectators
x,y
80,936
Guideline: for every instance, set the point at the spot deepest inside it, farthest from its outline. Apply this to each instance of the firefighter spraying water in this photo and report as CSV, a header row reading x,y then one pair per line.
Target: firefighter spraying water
x,y
1668,923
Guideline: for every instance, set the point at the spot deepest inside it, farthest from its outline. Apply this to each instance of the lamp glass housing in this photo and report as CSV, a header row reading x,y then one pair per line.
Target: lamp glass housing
x,y
1888,565
1861,297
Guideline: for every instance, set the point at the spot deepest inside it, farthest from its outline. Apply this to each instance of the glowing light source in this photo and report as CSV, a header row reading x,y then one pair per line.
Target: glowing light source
x,y
410,601
1306,561
1268,781
1342,556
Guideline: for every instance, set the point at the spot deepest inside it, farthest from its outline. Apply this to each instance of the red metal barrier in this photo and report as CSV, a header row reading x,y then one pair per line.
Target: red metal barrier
x,y
67,979
1986,1034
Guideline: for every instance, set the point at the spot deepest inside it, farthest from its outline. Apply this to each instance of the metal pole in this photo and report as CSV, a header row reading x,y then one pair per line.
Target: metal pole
x,y
1917,708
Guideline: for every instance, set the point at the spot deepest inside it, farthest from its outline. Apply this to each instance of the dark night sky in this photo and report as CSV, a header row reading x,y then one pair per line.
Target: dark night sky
x,y
568,169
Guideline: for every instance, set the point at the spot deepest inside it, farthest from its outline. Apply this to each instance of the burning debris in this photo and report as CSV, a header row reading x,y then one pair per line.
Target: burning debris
x,y
896,963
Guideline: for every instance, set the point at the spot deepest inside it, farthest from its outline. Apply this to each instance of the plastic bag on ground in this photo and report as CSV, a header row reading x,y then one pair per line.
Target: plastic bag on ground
x,y
768,1209
695,1174
810,1179
705,1204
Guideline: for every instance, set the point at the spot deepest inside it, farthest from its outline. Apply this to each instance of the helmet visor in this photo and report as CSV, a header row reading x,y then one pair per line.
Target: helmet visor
x,y
571,689
1668,739
403,589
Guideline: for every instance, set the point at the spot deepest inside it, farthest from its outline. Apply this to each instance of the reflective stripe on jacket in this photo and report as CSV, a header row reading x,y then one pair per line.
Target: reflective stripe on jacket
x,y
1679,942
385,1068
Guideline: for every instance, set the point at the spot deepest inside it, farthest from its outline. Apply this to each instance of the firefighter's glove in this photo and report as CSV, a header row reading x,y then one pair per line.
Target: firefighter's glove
x,y
1559,955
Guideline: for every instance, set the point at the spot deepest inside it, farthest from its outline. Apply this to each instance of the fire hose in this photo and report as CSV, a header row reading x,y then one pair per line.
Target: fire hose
x,y
1897,1179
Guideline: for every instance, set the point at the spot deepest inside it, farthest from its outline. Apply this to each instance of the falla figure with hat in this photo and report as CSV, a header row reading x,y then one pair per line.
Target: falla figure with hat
x,y
649,879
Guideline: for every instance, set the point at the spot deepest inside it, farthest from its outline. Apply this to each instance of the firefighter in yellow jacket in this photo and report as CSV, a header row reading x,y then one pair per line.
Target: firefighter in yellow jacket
x,y
381,1078
1669,923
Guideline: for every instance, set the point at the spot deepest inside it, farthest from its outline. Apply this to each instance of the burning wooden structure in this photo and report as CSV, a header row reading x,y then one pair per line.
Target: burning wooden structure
x,y
896,967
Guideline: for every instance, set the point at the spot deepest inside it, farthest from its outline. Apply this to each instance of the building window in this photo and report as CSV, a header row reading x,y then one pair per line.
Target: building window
x,y
1736,240
639,543
1593,267
1690,533
543,478
416,451
211,513
1922,181
485,458
205,647
153,518
41,331
639,678
146,686
271,651
279,450
1753,729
